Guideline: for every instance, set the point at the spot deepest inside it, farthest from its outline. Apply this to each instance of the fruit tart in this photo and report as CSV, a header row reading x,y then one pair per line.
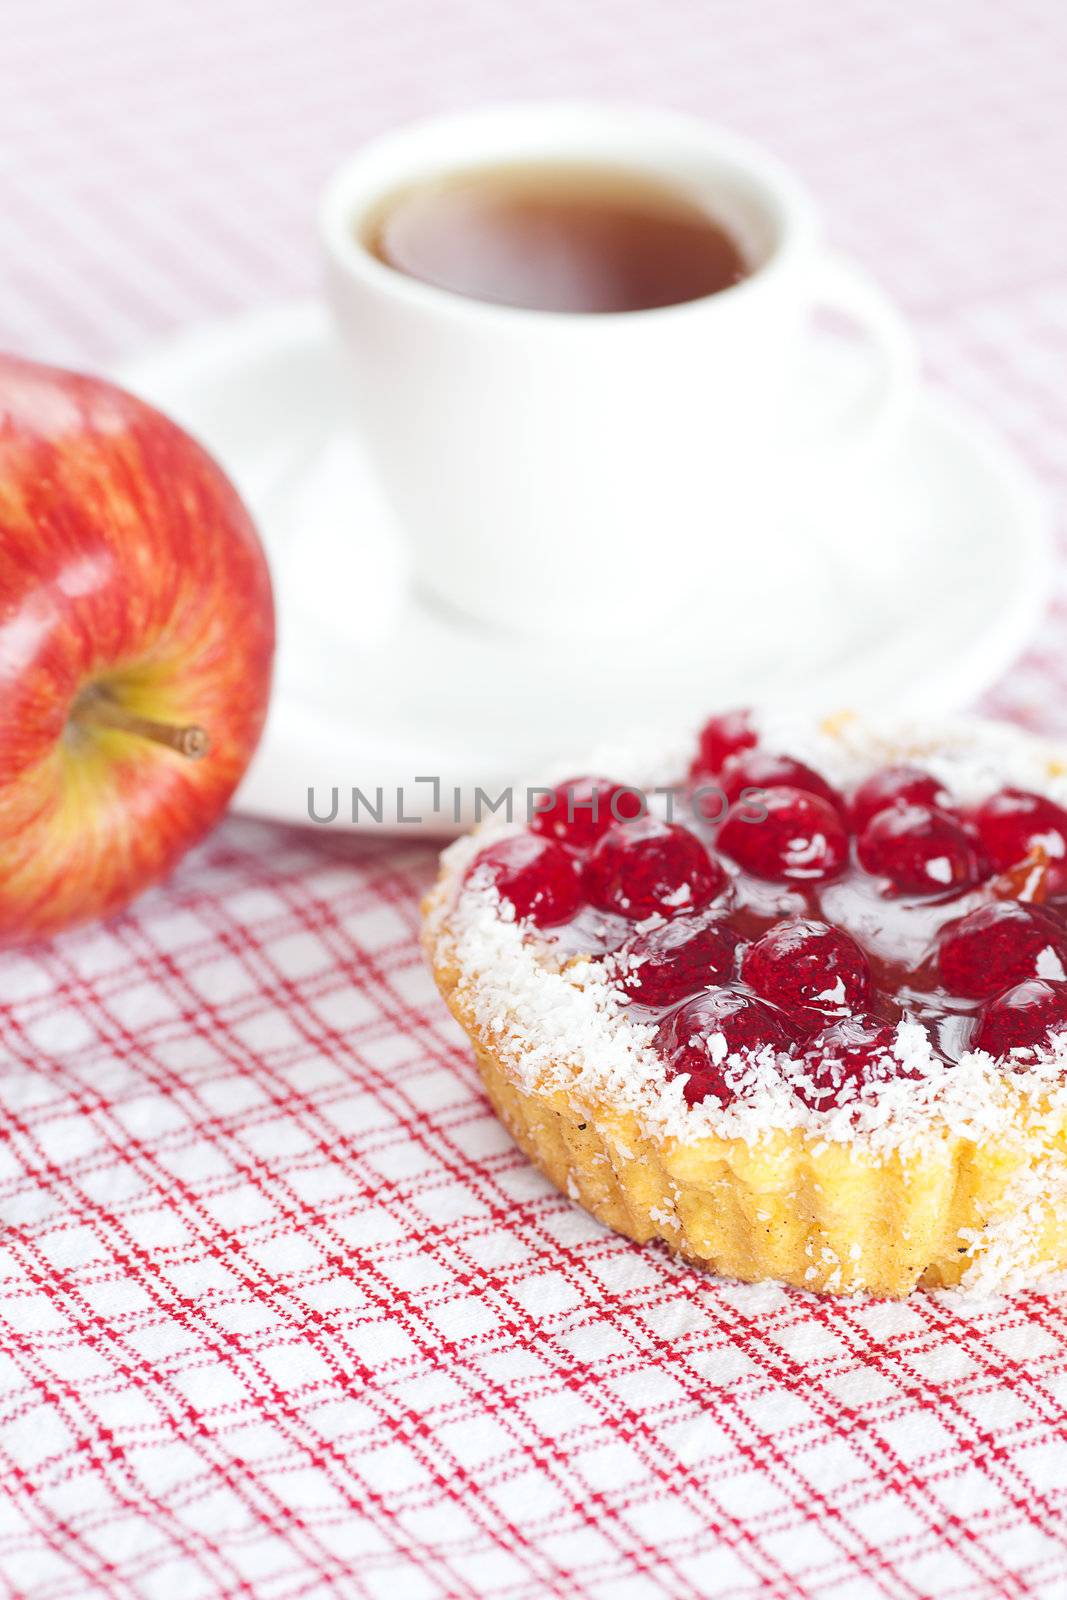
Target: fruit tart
x,y
792,1000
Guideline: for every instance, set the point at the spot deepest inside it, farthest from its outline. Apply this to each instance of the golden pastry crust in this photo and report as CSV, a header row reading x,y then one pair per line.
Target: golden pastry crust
x,y
965,1208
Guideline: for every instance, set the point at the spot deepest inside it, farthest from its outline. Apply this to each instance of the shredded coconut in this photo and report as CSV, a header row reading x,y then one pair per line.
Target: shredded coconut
x,y
573,1018
564,1024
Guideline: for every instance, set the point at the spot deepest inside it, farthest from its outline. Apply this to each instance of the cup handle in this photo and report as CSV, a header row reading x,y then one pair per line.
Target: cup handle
x,y
868,425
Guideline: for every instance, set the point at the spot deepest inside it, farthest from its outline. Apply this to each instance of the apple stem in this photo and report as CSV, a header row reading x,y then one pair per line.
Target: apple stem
x,y
101,710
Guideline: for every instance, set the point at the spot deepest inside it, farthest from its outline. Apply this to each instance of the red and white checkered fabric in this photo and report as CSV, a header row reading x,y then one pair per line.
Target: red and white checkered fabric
x,y
282,1312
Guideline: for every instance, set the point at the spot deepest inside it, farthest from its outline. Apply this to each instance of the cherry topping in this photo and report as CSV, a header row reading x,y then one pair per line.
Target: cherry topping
x,y
842,1058
539,878
1023,1017
722,736
786,836
1029,880
582,809
648,866
998,945
806,966
919,849
900,785
1014,823
763,769
698,1038
664,964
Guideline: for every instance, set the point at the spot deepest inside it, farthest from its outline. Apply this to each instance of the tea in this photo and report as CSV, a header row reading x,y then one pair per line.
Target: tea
x,y
557,238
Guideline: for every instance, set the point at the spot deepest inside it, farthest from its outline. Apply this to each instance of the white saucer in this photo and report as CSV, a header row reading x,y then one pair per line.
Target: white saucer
x,y
374,687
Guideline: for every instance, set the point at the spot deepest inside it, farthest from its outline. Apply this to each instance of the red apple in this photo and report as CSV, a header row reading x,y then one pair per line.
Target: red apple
x,y
136,639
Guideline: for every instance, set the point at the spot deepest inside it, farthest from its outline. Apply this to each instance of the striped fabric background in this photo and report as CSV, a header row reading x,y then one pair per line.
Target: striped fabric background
x,y
282,1313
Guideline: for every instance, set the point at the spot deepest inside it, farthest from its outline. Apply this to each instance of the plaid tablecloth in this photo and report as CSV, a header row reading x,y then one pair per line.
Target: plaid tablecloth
x,y
281,1310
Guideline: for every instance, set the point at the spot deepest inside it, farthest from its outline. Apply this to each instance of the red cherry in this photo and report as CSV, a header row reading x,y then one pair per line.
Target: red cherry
x,y
1010,824
919,849
998,945
699,1037
663,965
842,1058
538,877
764,769
647,867
901,785
722,736
808,967
1023,1017
582,809
786,836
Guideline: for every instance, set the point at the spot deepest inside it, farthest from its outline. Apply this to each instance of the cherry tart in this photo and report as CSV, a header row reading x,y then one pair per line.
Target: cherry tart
x,y
801,1014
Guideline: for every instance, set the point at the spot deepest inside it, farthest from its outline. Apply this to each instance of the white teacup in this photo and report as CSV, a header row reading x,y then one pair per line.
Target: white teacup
x,y
568,471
